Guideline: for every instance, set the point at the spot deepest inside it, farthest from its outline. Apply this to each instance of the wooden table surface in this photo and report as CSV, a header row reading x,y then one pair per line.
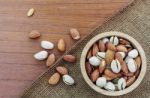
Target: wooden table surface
x,y
52,19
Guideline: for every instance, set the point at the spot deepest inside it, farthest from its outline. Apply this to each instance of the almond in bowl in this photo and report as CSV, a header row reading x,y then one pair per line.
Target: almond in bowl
x,y
113,63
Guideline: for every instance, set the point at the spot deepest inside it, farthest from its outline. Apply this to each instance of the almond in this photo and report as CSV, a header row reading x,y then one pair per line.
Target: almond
x,y
121,48
88,68
95,75
51,59
129,74
62,70
109,73
137,73
95,49
124,42
34,34
69,58
30,12
89,54
102,66
119,57
109,56
54,79
61,45
124,67
138,61
74,34
102,46
131,80
110,46
108,78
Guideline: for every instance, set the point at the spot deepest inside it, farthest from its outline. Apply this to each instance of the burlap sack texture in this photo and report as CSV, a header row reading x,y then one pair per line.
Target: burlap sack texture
x,y
135,21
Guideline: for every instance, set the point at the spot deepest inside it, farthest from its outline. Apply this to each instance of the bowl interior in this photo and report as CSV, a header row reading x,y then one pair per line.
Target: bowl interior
x,y
134,43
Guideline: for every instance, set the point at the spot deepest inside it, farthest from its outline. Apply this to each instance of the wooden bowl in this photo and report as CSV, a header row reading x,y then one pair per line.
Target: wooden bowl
x,y
134,43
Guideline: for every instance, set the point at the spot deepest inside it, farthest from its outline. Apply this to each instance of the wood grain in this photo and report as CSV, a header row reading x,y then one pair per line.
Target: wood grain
x,y
52,19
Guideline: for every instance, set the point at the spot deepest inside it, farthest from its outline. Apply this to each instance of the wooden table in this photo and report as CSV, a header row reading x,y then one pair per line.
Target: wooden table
x,y
52,18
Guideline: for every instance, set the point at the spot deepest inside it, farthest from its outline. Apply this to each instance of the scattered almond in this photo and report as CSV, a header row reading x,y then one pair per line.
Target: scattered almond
x,y
54,79
34,34
61,45
75,33
51,59
69,58
62,70
30,12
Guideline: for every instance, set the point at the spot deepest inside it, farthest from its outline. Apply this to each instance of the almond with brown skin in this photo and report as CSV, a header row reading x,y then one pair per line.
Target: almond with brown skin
x,y
138,61
124,42
95,75
108,78
109,56
121,48
34,34
111,74
54,79
89,54
129,74
61,45
74,33
62,70
124,67
119,57
102,46
88,68
110,46
69,58
95,49
102,66
137,73
51,59
131,80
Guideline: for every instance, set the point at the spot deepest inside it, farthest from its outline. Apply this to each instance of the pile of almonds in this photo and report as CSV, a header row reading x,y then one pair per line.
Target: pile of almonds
x,y
113,63
61,46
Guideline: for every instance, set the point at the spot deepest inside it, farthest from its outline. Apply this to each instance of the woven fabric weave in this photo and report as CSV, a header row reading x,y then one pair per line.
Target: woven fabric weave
x,y
135,21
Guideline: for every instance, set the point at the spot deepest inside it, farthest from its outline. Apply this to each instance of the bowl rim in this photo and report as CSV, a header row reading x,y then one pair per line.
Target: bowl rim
x,y
134,43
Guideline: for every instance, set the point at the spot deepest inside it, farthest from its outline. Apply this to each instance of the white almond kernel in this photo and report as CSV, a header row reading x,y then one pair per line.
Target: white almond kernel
x,y
67,79
47,45
41,55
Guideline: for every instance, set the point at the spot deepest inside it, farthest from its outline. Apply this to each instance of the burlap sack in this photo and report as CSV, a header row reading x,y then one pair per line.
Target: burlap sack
x,y
135,21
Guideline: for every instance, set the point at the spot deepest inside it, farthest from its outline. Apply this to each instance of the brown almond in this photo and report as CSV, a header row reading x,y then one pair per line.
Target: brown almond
x,y
61,45
131,80
89,54
119,57
102,46
129,74
54,79
102,66
62,70
95,75
121,48
69,58
111,74
34,34
108,78
110,46
74,33
30,12
109,56
137,73
124,42
124,67
138,61
88,68
51,59
95,49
